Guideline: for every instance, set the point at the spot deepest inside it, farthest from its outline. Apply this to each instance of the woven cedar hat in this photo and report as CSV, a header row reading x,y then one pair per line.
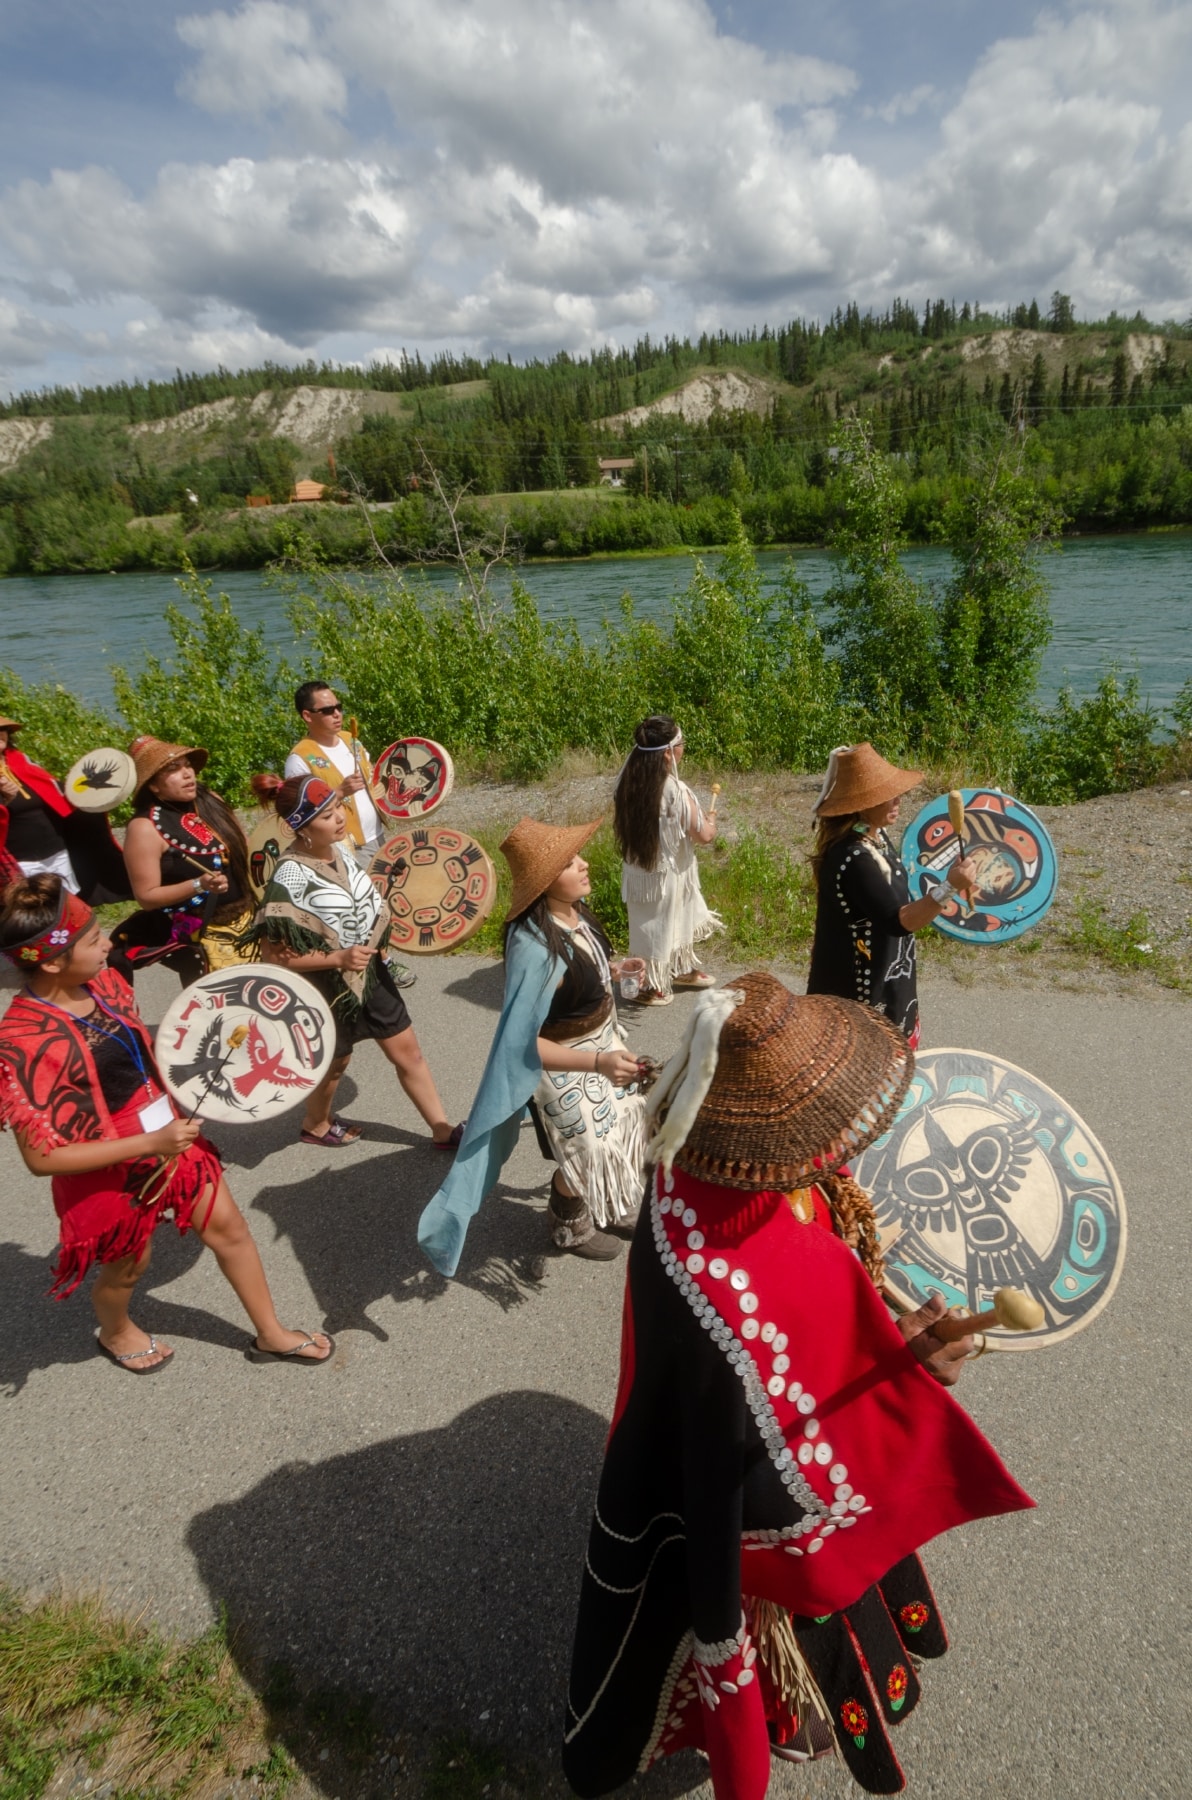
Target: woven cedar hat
x,y
536,853
10,725
802,1084
151,755
859,778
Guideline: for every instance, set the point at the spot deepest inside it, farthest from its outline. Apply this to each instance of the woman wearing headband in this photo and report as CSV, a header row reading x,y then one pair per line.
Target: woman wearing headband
x,y
780,1447
322,917
658,822
81,1090
188,862
558,1049
865,919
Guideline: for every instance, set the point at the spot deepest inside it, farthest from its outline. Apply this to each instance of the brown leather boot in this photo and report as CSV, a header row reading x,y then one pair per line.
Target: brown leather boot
x,y
571,1228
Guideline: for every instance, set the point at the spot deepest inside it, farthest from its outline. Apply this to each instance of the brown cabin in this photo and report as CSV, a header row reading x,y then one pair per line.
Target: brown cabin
x,y
308,490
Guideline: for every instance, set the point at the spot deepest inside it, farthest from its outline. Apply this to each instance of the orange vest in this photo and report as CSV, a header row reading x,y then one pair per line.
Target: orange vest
x,y
319,763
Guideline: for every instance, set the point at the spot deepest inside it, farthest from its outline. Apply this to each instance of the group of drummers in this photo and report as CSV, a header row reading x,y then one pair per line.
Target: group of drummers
x,y
755,1254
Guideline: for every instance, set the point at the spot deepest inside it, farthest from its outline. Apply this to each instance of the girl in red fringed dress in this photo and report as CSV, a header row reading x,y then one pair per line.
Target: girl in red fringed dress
x,y
82,1092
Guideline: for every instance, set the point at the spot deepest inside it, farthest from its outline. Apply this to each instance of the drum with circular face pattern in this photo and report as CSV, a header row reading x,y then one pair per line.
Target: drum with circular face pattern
x,y
1013,853
245,1043
440,886
988,1179
411,778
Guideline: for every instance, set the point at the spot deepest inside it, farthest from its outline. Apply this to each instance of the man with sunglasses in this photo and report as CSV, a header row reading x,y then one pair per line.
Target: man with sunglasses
x,y
343,763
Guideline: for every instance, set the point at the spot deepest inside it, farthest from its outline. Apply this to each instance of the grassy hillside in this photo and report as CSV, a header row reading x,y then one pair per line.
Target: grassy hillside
x,y
1100,415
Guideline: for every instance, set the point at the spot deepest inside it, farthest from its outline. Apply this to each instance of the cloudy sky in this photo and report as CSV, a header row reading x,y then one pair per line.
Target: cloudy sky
x,y
339,178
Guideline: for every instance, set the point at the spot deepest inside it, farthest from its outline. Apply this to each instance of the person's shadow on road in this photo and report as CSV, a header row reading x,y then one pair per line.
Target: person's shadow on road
x,y
437,1573
354,1231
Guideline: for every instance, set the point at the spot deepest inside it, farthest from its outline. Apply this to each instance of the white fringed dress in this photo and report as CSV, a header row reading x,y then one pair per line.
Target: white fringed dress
x,y
668,916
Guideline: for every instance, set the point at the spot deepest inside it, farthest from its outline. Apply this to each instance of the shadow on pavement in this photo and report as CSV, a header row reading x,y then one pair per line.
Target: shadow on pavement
x,y
437,1573
38,1332
483,987
353,1229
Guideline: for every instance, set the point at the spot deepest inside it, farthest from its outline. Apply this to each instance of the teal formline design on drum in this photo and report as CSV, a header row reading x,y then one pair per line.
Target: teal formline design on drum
x,y
988,1179
1016,862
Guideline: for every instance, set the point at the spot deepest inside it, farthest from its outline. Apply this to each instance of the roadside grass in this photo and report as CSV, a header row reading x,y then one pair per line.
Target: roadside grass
x,y
94,1702
1126,948
761,889
159,1718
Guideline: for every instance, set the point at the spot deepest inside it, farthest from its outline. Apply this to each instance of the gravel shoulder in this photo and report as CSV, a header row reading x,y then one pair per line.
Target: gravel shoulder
x,y
1125,872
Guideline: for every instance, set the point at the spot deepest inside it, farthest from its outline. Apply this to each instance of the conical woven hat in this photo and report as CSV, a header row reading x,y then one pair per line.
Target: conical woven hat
x,y
859,778
151,755
10,725
536,853
802,1083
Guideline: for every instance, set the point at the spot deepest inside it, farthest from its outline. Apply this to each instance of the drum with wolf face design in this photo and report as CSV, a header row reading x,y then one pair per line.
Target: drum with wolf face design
x,y
245,1043
988,1179
411,778
1014,856
440,885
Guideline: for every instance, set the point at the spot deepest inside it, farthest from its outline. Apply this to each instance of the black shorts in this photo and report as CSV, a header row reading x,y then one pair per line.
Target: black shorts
x,y
383,1015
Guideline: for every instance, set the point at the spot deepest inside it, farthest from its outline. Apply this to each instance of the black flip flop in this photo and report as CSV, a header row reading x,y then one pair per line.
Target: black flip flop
x,y
294,1356
132,1356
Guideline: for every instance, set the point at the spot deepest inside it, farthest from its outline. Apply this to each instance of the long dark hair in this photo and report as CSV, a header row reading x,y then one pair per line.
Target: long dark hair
x,y
216,813
539,918
637,801
827,833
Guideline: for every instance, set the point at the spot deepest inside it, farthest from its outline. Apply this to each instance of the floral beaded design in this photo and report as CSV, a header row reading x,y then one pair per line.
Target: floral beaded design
x,y
914,1615
896,1686
855,1720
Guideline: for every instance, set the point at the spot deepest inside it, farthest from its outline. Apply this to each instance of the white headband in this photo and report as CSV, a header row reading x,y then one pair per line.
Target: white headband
x,y
682,1087
669,745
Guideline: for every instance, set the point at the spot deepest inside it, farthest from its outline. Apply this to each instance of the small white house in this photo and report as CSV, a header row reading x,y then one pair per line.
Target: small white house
x,y
613,470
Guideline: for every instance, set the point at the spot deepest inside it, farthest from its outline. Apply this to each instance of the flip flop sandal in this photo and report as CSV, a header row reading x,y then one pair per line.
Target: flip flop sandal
x,y
256,1355
132,1356
336,1136
454,1141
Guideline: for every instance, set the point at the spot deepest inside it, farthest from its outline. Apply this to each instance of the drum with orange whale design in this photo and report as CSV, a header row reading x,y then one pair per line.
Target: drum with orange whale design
x,y
1013,853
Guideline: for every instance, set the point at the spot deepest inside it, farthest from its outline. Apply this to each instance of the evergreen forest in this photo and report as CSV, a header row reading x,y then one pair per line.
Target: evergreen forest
x,y
155,473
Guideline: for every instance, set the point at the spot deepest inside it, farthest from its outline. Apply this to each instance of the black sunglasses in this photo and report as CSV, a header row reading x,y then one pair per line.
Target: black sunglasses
x,y
338,707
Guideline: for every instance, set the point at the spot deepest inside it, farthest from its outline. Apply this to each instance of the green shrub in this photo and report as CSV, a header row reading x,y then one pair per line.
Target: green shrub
x,y
1102,745
58,727
223,690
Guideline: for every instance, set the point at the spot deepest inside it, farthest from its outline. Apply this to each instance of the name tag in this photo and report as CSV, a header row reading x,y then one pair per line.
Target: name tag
x,y
157,1114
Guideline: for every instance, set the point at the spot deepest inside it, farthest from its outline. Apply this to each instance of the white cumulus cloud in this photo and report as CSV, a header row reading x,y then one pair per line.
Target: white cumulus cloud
x,y
538,174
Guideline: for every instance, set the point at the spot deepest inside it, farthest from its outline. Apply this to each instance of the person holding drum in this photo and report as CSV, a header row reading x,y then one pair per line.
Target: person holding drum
x,y
41,833
81,1089
865,919
187,859
558,1049
323,918
781,1447
340,759
658,822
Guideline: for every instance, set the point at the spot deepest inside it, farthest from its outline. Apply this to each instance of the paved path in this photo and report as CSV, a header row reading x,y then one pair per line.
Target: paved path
x,y
411,1521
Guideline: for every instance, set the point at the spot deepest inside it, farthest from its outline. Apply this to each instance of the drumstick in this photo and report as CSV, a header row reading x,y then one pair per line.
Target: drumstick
x,y
956,814
236,1037
353,728
1011,1309
8,774
715,798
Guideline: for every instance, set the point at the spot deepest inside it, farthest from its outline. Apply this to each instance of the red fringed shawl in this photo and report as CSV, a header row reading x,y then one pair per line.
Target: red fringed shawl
x,y
49,1085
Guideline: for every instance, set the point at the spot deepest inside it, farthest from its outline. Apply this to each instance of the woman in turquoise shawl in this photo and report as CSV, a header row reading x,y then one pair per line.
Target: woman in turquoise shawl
x,y
557,1049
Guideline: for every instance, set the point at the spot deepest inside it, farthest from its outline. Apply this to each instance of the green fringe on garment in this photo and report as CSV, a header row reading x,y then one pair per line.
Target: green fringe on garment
x,y
303,942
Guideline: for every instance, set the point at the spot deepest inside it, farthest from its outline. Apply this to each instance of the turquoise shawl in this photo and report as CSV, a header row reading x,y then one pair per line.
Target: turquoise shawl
x,y
511,1074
